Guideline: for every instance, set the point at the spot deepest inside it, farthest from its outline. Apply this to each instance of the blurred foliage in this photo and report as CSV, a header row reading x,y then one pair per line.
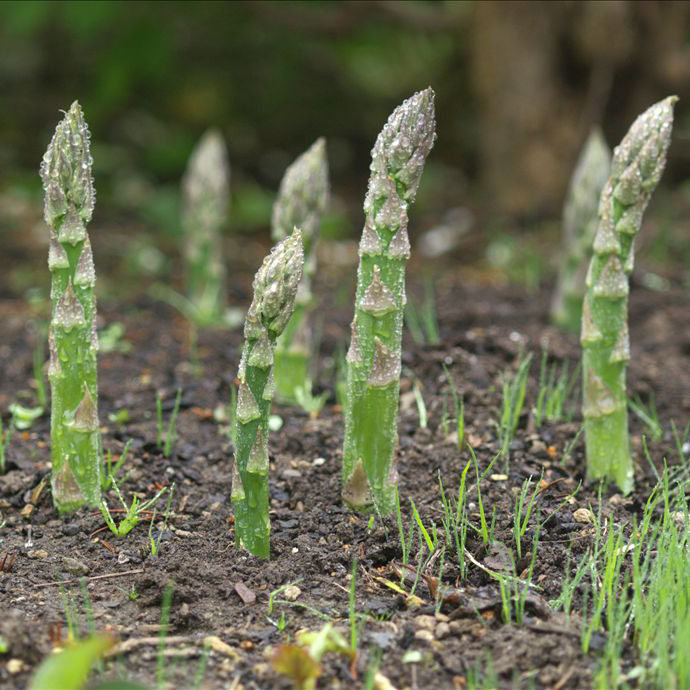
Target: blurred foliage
x,y
517,84
272,75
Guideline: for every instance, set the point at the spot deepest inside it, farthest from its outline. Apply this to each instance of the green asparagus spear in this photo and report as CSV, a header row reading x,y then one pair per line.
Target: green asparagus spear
x,y
73,342
579,226
636,168
275,289
206,201
302,200
373,381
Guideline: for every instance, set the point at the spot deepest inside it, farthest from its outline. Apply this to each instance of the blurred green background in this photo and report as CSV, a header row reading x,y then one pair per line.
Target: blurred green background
x,y
518,84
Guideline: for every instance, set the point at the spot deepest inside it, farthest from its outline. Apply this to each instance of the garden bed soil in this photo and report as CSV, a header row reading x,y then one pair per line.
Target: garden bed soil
x,y
223,592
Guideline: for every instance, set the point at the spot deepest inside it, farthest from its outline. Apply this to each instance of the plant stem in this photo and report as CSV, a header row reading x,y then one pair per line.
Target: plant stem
x,y
275,288
579,226
369,475
301,202
636,168
206,200
73,342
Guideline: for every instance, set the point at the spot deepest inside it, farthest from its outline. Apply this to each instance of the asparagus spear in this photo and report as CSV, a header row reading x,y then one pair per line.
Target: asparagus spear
x,y
301,201
373,381
275,289
206,201
579,226
636,168
73,342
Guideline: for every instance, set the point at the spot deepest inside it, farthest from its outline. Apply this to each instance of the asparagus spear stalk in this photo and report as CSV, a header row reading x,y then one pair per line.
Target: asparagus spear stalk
x,y
636,168
373,380
73,342
302,200
275,288
579,226
205,209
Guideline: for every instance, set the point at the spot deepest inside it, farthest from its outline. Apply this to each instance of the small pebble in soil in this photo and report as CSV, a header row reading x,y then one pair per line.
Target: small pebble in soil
x,y
15,666
442,630
75,566
425,622
37,554
291,592
291,474
288,524
317,462
424,635
248,597
583,515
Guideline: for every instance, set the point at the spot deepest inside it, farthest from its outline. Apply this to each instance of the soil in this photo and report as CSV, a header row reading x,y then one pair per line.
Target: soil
x,y
223,592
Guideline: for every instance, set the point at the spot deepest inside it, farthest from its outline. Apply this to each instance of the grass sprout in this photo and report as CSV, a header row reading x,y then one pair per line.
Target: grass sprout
x,y
458,409
421,407
167,442
514,389
523,511
649,416
133,512
156,543
5,437
109,476
556,387
310,403
422,321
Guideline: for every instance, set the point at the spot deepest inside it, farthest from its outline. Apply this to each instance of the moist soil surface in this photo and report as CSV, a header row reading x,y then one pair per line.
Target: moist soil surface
x,y
56,568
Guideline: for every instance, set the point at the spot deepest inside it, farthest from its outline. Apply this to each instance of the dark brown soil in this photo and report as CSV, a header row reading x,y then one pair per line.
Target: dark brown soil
x,y
314,539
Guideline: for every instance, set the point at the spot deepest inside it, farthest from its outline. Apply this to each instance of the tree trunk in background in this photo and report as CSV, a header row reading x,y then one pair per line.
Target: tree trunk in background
x,y
544,72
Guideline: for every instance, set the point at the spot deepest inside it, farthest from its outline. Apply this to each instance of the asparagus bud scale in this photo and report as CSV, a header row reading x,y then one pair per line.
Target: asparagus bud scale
x,y
205,191
302,200
73,342
636,168
275,289
373,380
579,226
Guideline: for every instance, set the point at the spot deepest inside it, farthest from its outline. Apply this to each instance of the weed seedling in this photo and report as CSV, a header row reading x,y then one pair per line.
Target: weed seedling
x,y
165,618
156,543
431,542
167,443
421,407
555,390
523,512
459,411
108,478
649,415
310,403
133,512
514,389
5,436
351,608
24,417
38,361
421,321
